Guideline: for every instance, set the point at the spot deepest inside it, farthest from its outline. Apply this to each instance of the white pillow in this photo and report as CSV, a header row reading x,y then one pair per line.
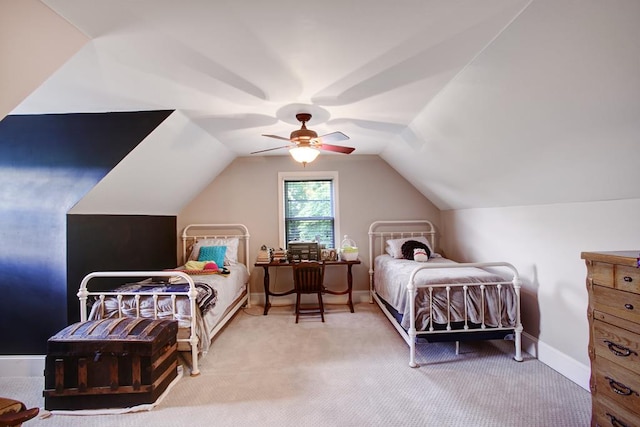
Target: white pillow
x,y
231,254
394,246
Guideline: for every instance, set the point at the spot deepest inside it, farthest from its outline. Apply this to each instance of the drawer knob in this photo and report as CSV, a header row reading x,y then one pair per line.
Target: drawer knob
x,y
619,350
628,279
620,388
615,422
628,306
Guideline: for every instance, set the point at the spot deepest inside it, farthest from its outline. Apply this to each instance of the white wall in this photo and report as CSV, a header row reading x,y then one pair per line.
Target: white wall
x,y
544,243
246,192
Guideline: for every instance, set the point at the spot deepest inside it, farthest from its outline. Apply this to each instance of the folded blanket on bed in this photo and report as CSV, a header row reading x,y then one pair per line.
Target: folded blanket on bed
x,y
129,306
206,298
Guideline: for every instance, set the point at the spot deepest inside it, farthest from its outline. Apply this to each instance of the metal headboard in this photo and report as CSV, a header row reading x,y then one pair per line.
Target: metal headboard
x,y
195,232
381,231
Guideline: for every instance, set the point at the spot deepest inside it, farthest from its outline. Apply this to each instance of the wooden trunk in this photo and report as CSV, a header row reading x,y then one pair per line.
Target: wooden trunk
x,y
110,363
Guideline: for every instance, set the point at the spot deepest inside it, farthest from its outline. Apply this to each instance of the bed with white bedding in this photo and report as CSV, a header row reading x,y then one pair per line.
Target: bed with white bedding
x,y
200,294
438,299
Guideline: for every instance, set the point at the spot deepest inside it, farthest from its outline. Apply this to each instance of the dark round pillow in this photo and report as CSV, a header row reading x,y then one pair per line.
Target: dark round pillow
x,y
410,245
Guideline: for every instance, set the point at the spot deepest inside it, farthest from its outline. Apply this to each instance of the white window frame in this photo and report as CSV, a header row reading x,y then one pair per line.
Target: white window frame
x,y
308,176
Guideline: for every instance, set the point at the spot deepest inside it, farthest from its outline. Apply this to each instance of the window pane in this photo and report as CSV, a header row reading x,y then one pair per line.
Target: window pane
x,y
309,211
308,199
309,230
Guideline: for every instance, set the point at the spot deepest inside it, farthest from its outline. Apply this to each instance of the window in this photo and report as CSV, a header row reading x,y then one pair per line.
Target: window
x,y
308,207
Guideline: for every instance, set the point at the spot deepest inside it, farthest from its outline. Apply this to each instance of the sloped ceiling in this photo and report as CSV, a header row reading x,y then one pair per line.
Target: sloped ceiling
x,y
28,56
478,103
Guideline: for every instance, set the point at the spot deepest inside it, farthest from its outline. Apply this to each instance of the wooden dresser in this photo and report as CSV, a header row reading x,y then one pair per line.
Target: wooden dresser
x,y
613,282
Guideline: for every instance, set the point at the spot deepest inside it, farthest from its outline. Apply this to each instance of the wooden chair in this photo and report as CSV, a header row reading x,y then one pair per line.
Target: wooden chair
x,y
307,279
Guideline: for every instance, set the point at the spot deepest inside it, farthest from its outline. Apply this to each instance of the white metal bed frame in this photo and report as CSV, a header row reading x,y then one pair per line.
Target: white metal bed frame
x,y
380,232
188,240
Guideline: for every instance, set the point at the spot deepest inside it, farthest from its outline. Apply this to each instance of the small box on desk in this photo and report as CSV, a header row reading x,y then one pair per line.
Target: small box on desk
x,y
110,363
298,251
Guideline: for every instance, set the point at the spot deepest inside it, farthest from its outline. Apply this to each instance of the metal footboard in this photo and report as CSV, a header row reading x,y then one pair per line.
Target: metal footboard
x,y
192,293
382,231
412,289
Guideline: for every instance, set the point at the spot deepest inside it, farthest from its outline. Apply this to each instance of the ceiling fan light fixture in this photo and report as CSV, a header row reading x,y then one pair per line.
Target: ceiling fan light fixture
x,y
304,155
305,145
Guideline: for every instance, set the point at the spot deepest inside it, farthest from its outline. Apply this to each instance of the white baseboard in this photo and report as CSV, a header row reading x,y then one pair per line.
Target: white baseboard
x,y
560,362
22,366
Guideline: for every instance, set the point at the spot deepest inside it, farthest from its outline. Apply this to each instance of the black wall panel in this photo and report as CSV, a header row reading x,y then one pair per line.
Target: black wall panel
x,y
115,243
47,164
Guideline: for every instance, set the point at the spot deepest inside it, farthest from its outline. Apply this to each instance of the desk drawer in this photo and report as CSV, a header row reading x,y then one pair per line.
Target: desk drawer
x,y
625,305
618,384
617,345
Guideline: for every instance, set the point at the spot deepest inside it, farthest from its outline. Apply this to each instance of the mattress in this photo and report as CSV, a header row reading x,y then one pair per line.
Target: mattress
x,y
216,293
492,306
228,287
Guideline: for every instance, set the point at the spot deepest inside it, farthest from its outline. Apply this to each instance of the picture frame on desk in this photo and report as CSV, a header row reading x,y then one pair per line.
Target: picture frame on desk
x,y
329,255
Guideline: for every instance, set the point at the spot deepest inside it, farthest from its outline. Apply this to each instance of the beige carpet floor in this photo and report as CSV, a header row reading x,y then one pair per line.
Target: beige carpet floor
x,y
351,370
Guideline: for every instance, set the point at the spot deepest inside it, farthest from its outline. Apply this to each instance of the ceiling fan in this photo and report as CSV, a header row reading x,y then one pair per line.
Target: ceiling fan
x,y
305,143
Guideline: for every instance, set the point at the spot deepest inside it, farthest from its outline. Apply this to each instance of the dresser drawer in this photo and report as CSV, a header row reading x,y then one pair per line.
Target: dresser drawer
x,y
618,384
607,414
625,305
617,345
601,273
627,278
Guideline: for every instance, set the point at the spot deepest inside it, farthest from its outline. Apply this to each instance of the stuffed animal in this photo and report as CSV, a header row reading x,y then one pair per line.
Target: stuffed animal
x,y
420,255
416,251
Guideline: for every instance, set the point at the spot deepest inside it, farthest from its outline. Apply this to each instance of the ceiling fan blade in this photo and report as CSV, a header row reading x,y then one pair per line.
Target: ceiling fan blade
x,y
271,149
336,148
277,137
334,137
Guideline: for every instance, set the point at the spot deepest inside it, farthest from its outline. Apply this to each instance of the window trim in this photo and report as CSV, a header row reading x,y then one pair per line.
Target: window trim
x,y
308,176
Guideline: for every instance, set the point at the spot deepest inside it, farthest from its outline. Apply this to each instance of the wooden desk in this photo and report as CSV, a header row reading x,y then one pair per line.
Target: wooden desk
x,y
268,293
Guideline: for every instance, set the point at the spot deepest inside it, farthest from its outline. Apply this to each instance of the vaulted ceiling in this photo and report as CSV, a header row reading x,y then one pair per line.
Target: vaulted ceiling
x,y
477,103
